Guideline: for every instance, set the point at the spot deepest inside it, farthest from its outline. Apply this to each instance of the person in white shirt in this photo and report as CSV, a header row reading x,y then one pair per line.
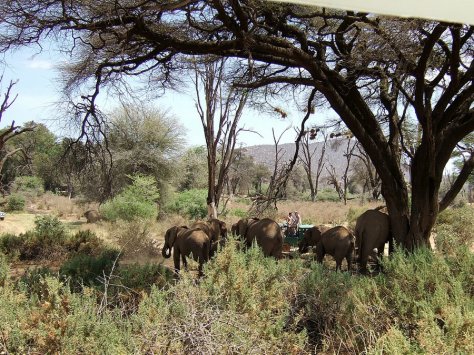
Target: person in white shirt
x,y
297,218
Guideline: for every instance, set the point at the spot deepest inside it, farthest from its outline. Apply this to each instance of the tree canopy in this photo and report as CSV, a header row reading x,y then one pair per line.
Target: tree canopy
x,y
375,72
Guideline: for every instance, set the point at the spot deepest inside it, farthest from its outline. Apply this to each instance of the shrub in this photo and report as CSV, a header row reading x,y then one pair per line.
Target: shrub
x,y
11,245
85,242
32,282
4,269
241,306
84,270
32,185
328,194
410,306
144,277
238,212
47,240
15,202
134,238
454,227
135,201
190,203
56,321
50,230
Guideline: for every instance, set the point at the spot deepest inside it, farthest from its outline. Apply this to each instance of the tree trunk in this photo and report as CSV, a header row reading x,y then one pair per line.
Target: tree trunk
x,y
211,210
425,205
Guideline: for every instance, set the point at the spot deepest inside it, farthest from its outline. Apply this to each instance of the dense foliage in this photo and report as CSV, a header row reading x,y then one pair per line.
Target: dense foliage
x,y
190,203
245,303
138,200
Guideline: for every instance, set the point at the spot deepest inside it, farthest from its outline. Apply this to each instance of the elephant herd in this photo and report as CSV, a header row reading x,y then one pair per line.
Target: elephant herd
x,y
371,232
203,238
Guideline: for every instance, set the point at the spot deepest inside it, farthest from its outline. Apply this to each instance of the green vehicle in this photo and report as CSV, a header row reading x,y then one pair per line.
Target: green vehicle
x,y
293,240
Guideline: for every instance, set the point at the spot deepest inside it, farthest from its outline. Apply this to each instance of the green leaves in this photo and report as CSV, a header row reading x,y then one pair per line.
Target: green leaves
x,y
137,200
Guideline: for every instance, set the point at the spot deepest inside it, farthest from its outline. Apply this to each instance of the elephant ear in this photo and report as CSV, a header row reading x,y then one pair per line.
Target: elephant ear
x,y
173,234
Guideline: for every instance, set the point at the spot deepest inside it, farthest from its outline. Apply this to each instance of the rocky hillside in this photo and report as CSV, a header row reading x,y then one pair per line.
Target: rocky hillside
x,y
335,150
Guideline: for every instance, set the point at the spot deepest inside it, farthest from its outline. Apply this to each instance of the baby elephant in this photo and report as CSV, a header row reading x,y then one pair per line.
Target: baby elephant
x,y
337,242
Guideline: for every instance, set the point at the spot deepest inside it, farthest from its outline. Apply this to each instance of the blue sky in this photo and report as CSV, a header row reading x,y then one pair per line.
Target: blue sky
x,y
38,93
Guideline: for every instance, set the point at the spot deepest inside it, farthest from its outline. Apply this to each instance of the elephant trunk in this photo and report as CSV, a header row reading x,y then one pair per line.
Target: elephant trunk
x,y
166,251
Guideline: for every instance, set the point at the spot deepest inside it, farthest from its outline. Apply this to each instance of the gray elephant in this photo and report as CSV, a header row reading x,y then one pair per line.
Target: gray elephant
x,y
216,230
186,241
337,242
372,231
266,232
92,216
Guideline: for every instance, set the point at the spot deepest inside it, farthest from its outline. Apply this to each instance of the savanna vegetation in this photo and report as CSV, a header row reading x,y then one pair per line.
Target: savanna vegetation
x,y
402,89
102,294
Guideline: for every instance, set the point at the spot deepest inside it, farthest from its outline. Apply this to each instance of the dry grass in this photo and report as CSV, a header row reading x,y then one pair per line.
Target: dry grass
x,y
333,213
320,212
60,206
17,223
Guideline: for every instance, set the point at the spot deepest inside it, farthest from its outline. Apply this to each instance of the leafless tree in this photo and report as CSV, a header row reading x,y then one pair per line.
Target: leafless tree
x,y
307,158
280,175
365,171
11,131
220,111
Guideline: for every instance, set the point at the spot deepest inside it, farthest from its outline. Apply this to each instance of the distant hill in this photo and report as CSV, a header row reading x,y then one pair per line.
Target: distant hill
x,y
265,154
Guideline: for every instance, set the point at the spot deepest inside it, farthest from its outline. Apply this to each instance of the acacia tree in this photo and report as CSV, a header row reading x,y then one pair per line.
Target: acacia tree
x,y
220,111
362,64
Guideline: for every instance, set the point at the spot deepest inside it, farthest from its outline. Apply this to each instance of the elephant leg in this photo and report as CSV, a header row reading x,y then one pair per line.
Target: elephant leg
x,y
176,256
201,260
320,253
185,262
349,260
363,262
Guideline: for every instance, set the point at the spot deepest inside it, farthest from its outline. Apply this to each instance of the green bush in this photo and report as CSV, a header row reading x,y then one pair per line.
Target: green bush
x,y
241,306
47,240
32,282
135,201
134,238
11,245
15,202
454,228
85,270
328,194
238,212
85,242
4,269
143,277
55,321
422,303
190,203
49,229
32,185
